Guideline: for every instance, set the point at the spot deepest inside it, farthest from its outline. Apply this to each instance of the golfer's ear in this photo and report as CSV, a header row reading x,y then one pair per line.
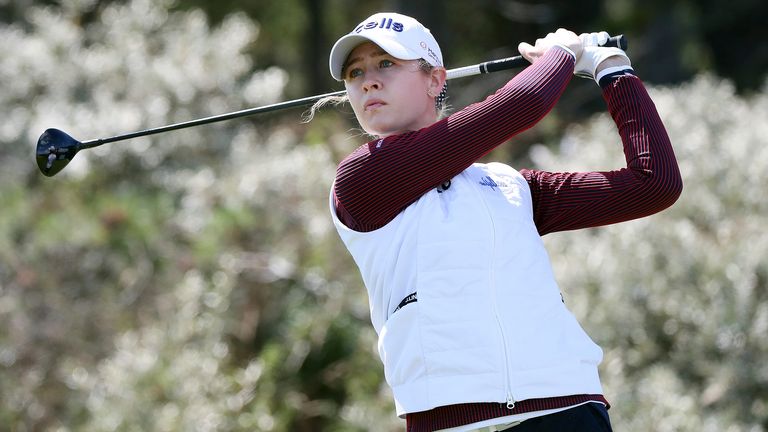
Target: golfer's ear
x,y
437,80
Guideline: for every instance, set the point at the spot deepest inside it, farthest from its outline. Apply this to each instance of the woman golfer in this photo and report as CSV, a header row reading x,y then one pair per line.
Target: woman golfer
x,y
473,332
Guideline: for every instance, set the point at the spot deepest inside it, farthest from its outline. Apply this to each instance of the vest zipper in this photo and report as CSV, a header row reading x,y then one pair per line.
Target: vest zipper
x,y
510,398
510,401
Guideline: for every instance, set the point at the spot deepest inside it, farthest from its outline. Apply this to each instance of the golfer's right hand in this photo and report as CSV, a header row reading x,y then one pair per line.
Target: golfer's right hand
x,y
562,38
595,57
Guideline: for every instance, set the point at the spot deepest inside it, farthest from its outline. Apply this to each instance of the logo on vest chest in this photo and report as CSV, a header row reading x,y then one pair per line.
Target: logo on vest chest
x,y
509,188
492,183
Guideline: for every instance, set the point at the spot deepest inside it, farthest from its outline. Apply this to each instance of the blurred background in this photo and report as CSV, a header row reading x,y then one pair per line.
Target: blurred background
x,y
192,281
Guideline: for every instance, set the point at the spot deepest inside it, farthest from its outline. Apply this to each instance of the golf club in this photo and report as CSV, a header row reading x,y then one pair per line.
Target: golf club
x,y
55,148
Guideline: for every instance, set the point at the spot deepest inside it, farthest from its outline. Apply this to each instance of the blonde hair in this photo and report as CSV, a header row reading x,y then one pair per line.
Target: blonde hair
x,y
441,108
328,100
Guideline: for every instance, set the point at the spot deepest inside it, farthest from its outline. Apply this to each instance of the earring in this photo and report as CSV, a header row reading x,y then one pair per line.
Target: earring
x,y
440,99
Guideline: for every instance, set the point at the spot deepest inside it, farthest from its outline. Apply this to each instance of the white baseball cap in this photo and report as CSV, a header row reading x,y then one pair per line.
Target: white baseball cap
x,y
399,35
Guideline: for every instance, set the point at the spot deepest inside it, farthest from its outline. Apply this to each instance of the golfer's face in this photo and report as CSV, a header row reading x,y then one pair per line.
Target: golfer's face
x,y
389,95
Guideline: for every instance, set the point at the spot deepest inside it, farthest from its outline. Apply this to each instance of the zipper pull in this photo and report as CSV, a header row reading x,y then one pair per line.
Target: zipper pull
x,y
510,402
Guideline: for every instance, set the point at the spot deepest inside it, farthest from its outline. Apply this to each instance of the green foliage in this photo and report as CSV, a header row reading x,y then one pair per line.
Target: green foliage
x,y
193,281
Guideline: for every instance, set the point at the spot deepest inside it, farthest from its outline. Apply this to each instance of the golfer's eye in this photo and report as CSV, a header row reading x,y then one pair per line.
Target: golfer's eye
x,y
386,63
354,73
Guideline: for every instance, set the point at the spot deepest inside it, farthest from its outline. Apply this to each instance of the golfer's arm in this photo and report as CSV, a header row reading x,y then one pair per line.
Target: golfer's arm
x,y
649,183
381,178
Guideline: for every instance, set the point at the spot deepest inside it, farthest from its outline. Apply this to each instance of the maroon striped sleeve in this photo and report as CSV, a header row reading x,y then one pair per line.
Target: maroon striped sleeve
x,y
649,183
381,178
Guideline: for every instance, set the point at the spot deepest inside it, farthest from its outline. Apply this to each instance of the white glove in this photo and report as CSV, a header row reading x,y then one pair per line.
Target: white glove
x,y
593,54
563,38
594,39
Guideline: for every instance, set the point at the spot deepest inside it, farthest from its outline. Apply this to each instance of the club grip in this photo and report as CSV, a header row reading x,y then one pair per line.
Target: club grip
x,y
619,41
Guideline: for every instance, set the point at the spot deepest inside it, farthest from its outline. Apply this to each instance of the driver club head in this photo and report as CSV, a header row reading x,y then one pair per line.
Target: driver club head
x,y
54,151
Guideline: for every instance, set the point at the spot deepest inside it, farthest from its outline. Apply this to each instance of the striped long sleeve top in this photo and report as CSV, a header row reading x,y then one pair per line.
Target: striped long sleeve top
x,y
379,179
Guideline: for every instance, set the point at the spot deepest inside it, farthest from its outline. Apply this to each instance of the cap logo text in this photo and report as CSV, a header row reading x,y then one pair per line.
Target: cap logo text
x,y
385,24
431,53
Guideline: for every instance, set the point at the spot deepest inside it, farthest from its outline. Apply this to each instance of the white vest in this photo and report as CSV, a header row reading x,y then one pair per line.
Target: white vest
x,y
489,324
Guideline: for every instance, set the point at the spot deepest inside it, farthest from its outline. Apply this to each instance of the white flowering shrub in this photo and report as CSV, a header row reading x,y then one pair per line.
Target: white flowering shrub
x,y
679,300
187,281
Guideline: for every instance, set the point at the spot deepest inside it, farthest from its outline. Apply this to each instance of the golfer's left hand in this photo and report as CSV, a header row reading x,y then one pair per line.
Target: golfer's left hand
x,y
562,38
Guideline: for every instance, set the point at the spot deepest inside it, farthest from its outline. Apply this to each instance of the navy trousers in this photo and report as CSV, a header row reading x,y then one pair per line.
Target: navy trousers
x,y
591,417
